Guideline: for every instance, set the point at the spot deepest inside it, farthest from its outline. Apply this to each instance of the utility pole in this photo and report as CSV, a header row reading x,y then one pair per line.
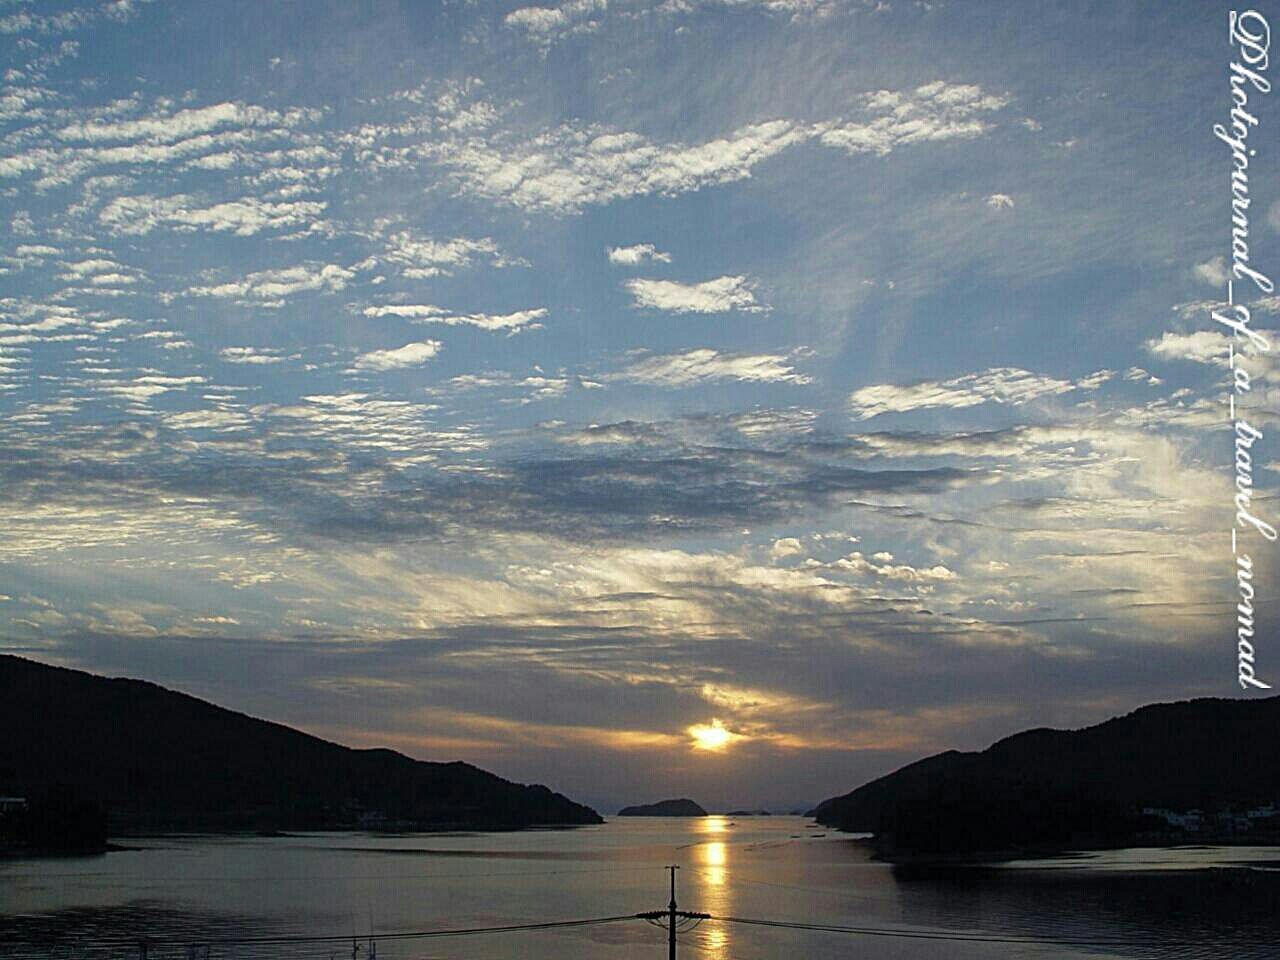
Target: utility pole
x,y
671,910
672,915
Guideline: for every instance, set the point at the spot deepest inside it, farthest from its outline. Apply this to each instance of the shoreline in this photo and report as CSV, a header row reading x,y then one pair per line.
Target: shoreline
x,y
998,857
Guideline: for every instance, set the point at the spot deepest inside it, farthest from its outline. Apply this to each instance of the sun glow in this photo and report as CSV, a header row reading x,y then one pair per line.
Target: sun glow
x,y
712,736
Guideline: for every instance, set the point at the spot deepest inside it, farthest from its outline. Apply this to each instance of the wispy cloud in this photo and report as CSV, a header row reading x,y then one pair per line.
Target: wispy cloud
x,y
256,356
711,296
274,286
638,254
546,25
426,313
932,112
419,257
142,214
172,126
571,167
1199,346
1008,385
707,365
410,355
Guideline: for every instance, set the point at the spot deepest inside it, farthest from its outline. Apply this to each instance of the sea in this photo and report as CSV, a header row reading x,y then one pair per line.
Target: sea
x,y
773,887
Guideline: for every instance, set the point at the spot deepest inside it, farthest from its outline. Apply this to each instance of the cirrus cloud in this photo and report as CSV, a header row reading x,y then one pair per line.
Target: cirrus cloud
x,y
1009,385
634,255
410,355
426,313
720,295
706,365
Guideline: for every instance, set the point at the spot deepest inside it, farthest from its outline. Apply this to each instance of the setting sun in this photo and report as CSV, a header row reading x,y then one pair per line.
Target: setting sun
x,y
711,736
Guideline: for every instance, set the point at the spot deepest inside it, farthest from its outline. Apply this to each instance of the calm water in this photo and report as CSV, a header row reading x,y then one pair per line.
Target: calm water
x,y
1184,903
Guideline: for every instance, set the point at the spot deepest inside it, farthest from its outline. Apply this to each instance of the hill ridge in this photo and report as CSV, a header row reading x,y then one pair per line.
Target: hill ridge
x,y
158,758
1055,788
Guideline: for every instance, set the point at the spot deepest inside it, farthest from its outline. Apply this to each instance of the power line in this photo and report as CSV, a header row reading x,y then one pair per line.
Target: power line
x,y
283,878
673,919
958,937
347,937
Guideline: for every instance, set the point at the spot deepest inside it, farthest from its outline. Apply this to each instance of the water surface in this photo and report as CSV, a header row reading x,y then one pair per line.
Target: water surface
x,y
1194,902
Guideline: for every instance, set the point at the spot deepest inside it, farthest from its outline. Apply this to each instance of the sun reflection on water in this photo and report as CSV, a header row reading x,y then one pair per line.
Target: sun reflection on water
x,y
713,857
715,942
711,868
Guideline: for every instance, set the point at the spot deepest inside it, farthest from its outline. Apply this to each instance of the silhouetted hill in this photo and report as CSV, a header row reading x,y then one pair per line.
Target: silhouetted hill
x,y
1084,788
664,808
158,759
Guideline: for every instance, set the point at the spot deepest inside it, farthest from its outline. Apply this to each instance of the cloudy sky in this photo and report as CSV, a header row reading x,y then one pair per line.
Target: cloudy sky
x,y
529,385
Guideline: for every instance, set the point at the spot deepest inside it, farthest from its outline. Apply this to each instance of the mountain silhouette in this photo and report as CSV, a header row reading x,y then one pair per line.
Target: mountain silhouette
x,y
1057,789
156,759
664,808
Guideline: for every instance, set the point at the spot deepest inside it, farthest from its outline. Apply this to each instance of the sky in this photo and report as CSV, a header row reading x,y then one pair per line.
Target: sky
x,y
540,386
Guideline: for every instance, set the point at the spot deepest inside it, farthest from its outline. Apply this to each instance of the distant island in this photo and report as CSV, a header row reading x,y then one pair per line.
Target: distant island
x,y
748,813
84,755
1195,771
664,808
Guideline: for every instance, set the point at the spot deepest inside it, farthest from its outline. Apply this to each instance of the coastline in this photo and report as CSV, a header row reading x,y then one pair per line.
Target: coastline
x,y
885,854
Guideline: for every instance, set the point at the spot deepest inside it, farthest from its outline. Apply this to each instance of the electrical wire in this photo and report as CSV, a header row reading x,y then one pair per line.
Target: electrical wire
x,y
958,937
686,924
375,938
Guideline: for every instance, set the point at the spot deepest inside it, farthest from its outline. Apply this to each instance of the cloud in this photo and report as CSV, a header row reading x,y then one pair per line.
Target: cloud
x,y
571,167
640,253
98,272
256,356
36,250
143,388
720,295
932,112
786,547
272,286
182,124
410,355
426,313
1000,201
546,25
134,216
1202,346
856,563
522,390
793,9
119,11
419,258
706,365
1008,385
370,485
109,137
1213,272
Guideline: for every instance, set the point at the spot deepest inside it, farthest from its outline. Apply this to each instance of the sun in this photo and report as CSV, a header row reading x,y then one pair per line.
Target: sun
x,y
712,736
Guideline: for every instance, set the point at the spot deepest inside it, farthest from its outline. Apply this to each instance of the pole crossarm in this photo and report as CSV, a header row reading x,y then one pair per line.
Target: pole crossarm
x,y
663,914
